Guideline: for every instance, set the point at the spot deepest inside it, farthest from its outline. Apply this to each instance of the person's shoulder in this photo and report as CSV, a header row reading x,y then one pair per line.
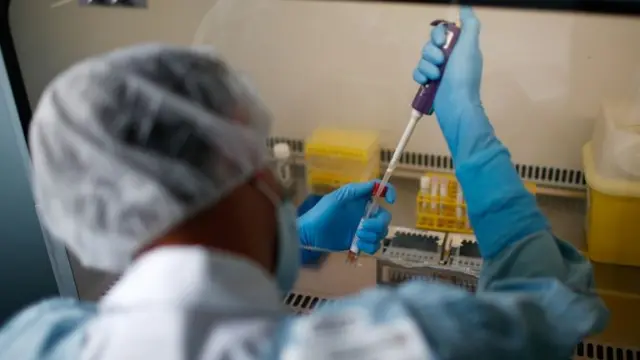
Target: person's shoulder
x,y
50,311
45,327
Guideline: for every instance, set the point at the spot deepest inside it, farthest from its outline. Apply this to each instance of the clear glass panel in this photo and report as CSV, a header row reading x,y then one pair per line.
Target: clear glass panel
x,y
553,81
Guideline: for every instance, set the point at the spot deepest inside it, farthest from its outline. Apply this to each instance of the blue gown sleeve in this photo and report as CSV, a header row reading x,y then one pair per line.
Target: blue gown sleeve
x,y
51,329
500,208
535,300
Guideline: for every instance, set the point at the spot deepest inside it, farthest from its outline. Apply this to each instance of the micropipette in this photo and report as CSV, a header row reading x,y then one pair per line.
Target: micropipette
x,y
422,105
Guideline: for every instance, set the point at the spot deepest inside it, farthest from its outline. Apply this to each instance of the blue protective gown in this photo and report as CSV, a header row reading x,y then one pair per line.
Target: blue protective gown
x,y
221,307
535,300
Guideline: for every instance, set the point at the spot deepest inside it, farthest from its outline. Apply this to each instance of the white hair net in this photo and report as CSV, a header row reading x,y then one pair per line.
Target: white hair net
x,y
127,145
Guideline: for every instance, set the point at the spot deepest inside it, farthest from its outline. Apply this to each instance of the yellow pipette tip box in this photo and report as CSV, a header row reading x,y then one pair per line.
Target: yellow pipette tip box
x,y
336,157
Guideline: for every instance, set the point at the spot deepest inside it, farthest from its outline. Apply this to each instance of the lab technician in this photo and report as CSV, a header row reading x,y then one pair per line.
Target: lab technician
x,y
155,156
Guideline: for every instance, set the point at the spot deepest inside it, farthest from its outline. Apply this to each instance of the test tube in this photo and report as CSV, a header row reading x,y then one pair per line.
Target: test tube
x,y
455,241
459,200
425,182
443,195
379,190
282,155
434,194
446,251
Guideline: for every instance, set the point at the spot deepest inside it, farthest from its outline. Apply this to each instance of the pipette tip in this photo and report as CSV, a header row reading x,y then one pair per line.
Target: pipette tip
x,y
352,258
416,115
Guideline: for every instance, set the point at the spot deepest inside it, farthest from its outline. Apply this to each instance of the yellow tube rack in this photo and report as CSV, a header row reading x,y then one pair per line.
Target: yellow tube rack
x,y
441,207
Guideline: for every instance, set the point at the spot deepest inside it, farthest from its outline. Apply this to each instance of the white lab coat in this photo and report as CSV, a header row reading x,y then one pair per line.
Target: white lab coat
x,y
186,303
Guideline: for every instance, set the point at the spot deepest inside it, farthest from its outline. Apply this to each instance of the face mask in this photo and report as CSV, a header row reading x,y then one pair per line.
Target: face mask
x,y
288,260
288,257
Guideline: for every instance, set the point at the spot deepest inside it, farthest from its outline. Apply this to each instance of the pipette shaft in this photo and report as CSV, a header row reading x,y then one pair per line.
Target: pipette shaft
x,y
372,206
422,104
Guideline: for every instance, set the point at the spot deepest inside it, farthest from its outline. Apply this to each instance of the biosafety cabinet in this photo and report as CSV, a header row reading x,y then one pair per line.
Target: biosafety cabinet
x,y
552,69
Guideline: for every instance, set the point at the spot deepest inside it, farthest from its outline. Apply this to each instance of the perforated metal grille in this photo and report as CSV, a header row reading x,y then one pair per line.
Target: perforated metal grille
x,y
591,350
547,175
297,146
412,255
463,261
302,304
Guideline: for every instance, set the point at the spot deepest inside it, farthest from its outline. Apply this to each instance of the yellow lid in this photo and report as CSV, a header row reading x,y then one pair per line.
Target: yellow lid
x,y
361,140
615,187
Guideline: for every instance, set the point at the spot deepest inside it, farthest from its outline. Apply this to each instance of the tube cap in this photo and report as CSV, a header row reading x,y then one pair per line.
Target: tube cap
x,y
425,181
281,151
376,186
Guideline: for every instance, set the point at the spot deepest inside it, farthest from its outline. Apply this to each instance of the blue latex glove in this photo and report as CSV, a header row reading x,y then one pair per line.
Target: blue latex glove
x,y
457,104
332,222
501,210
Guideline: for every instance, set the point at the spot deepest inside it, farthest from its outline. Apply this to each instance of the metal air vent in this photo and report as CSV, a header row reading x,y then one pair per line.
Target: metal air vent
x,y
302,304
543,175
592,350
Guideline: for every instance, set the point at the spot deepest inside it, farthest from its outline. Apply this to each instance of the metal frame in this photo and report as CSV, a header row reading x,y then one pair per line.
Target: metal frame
x,y
616,7
551,181
58,256
13,68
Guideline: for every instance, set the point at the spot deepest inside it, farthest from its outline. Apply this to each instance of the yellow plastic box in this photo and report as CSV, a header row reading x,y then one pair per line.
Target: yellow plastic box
x,y
441,207
613,216
335,157
620,290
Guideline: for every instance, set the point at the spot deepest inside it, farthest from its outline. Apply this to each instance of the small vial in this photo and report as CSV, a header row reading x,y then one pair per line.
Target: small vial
x,y
352,258
354,250
459,201
425,183
443,195
378,192
455,241
434,194
282,154
446,252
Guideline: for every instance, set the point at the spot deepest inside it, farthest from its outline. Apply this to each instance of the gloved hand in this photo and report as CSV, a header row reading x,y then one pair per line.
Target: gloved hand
x,y
500,209
457,104
333,221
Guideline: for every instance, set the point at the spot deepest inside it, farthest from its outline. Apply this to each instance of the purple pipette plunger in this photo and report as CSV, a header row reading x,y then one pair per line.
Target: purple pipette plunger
x,y
423,102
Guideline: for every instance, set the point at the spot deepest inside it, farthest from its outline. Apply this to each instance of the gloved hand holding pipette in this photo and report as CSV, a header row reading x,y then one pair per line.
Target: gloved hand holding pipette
x,y
458,106
482,163
332,223
423,104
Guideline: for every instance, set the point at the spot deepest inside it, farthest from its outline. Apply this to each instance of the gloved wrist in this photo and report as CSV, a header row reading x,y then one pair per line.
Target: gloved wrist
x,y
500,208
467,131
307,257
302,225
